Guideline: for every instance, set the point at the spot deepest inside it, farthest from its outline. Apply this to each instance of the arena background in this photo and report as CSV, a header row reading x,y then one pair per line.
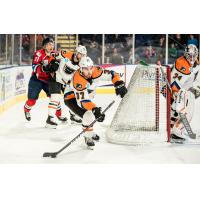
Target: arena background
x,y
119,51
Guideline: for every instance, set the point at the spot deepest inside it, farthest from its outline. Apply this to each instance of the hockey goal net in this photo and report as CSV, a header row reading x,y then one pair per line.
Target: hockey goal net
x,y
143,115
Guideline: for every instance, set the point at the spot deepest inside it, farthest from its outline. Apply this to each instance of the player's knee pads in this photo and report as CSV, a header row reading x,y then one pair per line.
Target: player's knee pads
x,y
88,118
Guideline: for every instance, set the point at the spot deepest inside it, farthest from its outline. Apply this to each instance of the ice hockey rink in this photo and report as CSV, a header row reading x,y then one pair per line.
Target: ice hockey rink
x,y
25,142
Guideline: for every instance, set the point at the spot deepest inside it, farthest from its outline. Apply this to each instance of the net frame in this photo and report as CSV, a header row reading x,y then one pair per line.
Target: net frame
x,y
135,136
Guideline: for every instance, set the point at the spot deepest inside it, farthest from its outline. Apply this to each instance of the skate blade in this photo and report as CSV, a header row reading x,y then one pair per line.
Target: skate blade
x,y
50,126
177,141
90,148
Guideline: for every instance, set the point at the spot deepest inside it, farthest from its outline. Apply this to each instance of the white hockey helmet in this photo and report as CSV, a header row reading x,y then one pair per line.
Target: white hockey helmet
x,y
191,53
86,62
81,49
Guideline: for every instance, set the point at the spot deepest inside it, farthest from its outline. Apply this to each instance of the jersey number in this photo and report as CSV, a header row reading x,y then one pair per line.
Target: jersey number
x,y
80,95
177,76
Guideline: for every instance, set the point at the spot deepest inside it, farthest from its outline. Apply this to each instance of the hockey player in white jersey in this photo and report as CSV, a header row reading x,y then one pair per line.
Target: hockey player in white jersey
x,y
67,63
184,86
79,94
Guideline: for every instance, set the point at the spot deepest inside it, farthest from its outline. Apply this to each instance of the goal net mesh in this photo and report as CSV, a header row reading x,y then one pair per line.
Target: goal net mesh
x,y
142,114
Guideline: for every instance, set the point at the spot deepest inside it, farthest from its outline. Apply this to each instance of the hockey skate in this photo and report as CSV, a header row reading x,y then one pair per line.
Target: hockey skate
x,y
62,119
74,118
177,139
95,137
27,116
51,123
89,142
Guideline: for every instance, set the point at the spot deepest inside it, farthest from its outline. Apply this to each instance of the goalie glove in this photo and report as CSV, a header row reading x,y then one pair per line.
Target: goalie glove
x,y
120,88
51,67
98,114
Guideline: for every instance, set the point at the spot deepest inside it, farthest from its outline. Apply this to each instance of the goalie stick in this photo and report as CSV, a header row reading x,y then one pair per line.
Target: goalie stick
x,y
184,120
54,154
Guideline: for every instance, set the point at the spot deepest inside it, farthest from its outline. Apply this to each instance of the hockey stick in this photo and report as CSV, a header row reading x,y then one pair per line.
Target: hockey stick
x,y
187,126
183,118
54,154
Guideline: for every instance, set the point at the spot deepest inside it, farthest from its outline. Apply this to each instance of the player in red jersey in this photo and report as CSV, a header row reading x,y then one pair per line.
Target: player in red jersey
x,y
42,66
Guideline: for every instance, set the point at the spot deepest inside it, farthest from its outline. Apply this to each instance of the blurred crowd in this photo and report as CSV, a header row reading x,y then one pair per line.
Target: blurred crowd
x,y
118,48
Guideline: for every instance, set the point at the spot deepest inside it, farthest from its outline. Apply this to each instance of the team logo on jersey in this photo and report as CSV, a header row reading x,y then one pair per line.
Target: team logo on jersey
x,y
38,54
78,85
183,69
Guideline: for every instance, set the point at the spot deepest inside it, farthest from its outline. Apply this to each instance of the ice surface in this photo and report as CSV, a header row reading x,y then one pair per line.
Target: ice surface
x,y
25,142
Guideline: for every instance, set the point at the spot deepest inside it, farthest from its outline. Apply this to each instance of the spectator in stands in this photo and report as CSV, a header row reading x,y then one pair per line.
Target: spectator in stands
x,y
93,52
26,47
117,41
173,54
129,42
39,39
161,50
150,54
59,47
115,57
130,58
192,40
179,41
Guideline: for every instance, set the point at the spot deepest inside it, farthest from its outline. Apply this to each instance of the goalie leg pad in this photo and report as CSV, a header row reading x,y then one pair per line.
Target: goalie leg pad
x,y
184,104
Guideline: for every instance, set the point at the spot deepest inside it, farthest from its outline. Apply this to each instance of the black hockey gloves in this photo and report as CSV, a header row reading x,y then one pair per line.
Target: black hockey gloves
x,y
68,70
51,67
120,88
98,115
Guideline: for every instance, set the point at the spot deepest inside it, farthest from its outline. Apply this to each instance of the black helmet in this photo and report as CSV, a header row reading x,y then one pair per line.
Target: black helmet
x,y
47,40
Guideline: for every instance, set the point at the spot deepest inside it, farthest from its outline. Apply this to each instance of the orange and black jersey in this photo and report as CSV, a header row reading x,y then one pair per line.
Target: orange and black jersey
x,y
66,54
182,74
81,86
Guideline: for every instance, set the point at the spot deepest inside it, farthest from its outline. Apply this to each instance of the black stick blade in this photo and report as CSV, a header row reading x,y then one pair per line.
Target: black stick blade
x,y
48,154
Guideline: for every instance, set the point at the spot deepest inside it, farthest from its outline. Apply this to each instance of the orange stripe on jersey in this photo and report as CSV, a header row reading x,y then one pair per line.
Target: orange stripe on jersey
x,y
182,65
54,107
88,105
67,54
70,96
175,87
51,58
115,78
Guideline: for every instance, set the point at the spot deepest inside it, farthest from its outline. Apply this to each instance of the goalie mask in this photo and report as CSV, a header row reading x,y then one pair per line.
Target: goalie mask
x,y
191,53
